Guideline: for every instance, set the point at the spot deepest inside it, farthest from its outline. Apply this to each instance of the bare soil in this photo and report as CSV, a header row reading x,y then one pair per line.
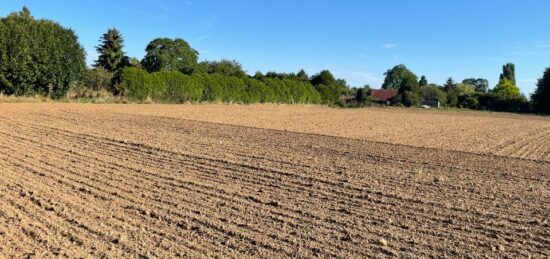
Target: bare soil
x,y
139,181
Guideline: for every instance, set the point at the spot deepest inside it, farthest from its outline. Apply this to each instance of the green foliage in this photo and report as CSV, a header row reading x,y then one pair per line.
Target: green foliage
x,y
409,91
223,67
496,102
396,75
465,89
134,62
361,95
328,87
423,81
135,83
450,84
258,75
97,79
466,96
541,97
167,54
325,77
302,75
481,85
506,89
174,86
111,56
433,93
509,73
38,56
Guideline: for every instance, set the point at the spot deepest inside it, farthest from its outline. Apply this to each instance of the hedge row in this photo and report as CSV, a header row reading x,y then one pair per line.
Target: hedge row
x,y
173,86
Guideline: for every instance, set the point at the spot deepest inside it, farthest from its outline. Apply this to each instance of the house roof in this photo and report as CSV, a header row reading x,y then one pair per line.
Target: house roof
x,y
383,95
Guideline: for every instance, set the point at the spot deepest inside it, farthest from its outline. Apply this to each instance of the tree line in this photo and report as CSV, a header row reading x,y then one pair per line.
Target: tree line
x,y
41,57
471,93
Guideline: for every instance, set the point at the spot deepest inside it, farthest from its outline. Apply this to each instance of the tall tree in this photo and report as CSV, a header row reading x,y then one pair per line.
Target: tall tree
x,y
167,54
481,85
361,95
541,97
423,81
433,93
509,73
450,84
111,56
506,89
329,87
38,56
325,77
396,75
302,75
409,91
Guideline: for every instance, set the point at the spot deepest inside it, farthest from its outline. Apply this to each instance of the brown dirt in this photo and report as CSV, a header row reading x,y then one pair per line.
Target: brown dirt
x,y
281,181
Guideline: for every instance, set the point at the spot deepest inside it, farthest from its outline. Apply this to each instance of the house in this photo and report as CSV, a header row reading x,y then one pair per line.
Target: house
x,y
383,95
431,103
348,98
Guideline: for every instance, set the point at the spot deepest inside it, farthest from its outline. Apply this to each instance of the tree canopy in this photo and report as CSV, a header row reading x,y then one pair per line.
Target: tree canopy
x,y
481,85
328,86
509,73
423,81
506,89
224,67
541,97
396,75
409,91
111,56
167,54
38,56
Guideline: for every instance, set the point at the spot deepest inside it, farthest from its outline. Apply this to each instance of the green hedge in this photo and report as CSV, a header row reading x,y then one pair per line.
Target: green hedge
x,y
173,86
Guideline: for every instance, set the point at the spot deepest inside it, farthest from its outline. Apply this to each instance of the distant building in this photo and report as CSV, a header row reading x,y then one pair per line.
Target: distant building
x,y
383,95
348,98
431,103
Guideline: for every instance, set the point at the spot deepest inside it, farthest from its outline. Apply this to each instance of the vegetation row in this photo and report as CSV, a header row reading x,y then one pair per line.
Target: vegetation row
x,y
41,57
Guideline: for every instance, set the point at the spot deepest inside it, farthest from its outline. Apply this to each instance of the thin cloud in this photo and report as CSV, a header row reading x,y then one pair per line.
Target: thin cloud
x,y
203,37
390,45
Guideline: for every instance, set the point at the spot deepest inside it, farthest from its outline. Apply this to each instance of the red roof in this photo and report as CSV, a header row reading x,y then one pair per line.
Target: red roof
x,y
383,95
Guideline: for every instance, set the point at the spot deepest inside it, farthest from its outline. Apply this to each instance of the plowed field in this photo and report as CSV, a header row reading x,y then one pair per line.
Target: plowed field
x,y
147,181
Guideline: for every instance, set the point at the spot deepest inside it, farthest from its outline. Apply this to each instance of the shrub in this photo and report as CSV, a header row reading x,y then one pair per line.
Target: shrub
x,y
97,79
38,56
134,83
174,86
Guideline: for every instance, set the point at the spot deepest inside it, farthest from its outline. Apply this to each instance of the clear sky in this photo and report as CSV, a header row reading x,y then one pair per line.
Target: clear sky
x,y
358,40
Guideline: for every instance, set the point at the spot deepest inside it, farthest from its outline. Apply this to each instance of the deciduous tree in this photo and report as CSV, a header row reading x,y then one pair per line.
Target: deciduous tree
x,y
396,75
167,54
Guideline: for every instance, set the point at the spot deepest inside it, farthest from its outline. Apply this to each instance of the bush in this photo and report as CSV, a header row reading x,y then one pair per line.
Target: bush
x,y
38,56
174,86
97,79
496,102
134,83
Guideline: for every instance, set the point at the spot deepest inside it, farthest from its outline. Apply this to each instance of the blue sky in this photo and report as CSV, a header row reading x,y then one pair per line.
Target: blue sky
x,y
358,40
